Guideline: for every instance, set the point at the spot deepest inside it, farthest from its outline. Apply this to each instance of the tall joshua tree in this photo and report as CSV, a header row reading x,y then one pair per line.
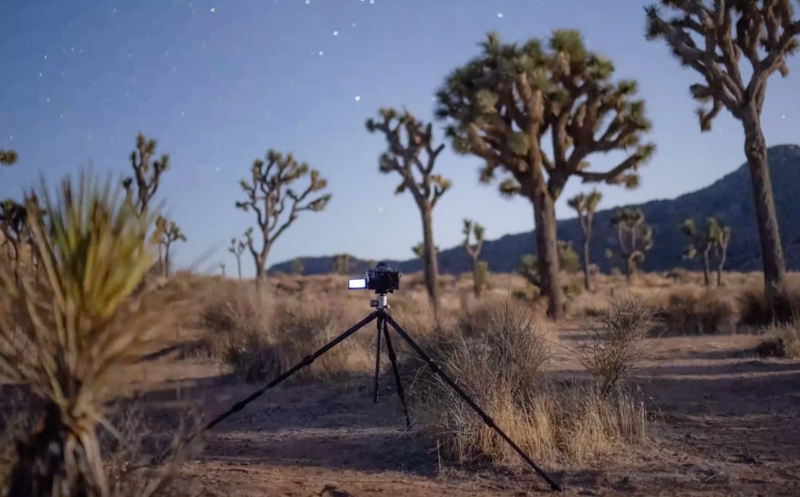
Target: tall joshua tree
x,y
586,206
269,193
502,103
712,39
237,248
408,139
142,186
634,236
479,268
723,237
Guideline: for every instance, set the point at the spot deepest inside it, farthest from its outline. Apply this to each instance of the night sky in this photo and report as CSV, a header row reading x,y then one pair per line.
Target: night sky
x,y
217,83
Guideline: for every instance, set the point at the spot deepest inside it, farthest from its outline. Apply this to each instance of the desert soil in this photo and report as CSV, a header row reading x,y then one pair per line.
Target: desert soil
x,y
723,423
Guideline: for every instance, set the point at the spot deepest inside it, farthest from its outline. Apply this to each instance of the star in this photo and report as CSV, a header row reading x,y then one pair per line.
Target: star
x,y
45,57
181,113
500,15
321,53
212,8
354,24
218,167
40,75
335,33
358,98
48,99
308,2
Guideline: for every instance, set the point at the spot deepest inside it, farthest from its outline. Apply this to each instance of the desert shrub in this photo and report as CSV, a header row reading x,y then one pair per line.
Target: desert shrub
x,y
756,312
74,332
281,340
699,313
504,371
781,341
617,341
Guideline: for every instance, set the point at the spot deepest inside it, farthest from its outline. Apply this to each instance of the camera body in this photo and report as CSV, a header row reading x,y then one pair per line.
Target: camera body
x,y
382,280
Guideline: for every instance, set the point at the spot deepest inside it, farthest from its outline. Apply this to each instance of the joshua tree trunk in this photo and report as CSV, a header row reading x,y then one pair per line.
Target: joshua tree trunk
x,y
629,268
755,150
547,250
61,459
239,266
586,235
166,261
706,266
719,269
429,259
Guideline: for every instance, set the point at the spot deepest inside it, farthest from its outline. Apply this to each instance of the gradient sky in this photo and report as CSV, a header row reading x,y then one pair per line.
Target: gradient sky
x,y
218,82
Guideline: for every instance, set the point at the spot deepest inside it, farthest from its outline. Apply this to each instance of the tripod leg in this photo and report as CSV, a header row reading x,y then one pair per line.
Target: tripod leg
x,y
380,324
307,360
393,359
486,419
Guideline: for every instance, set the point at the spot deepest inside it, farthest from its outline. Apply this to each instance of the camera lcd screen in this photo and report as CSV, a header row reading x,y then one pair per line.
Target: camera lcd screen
x,y
357,284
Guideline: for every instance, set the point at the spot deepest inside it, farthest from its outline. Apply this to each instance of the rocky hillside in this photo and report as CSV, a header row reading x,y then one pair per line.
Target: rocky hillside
x,y
729,199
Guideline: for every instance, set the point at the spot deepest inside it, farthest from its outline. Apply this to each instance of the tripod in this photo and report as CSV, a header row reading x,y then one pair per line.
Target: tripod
x,y
383,318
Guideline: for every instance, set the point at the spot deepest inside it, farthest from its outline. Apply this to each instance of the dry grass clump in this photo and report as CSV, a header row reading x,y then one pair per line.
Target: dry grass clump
x,y
756,312
617,341
69,339
699,311
781,341
259,338
505,370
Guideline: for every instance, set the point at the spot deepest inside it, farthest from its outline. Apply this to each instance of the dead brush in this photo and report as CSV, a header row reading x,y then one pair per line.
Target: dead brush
x,y
781,341
618,341
283,340
505,371
72,337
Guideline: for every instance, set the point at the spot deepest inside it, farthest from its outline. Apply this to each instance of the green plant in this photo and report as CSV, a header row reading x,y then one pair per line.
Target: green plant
x,y
503,103
634,236
528,266
269,193
407,140
74,336
713,39
237,248
480,269
585,206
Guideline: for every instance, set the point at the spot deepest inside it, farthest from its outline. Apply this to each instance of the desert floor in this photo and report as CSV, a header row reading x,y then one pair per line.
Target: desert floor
x,y
722,422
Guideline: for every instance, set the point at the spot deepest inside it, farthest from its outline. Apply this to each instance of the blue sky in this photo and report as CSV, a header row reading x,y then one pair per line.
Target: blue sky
x,y
218,82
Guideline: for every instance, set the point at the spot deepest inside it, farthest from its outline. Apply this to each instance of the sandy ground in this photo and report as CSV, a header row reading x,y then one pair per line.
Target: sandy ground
x,y
723,423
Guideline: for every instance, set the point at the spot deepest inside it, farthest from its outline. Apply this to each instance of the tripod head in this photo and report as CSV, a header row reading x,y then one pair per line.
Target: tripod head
x,y
381,303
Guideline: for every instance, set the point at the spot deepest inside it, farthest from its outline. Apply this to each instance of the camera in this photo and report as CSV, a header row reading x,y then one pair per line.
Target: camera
x,y
383,279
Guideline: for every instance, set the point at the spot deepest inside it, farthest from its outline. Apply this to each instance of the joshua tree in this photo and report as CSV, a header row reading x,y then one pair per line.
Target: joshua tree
x,y
480,269
502,104
13,223
86,326
635,238
723,236
237,248
268,193
407,140
711,39
7,157
419,250
166,233
222,268
341,264
146,176
585,206
568,261
701,242
297,266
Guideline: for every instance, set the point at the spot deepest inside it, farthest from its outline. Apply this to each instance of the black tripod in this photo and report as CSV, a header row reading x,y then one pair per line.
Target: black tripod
x,y
383,318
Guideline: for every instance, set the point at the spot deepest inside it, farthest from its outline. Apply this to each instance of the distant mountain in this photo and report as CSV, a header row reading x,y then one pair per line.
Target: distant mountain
x,y
729,199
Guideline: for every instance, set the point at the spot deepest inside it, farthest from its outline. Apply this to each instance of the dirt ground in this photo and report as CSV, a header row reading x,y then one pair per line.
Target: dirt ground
x,y
722,423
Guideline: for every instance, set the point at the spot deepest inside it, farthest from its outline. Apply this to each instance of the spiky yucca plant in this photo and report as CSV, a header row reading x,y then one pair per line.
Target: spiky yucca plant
x,y
84,325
